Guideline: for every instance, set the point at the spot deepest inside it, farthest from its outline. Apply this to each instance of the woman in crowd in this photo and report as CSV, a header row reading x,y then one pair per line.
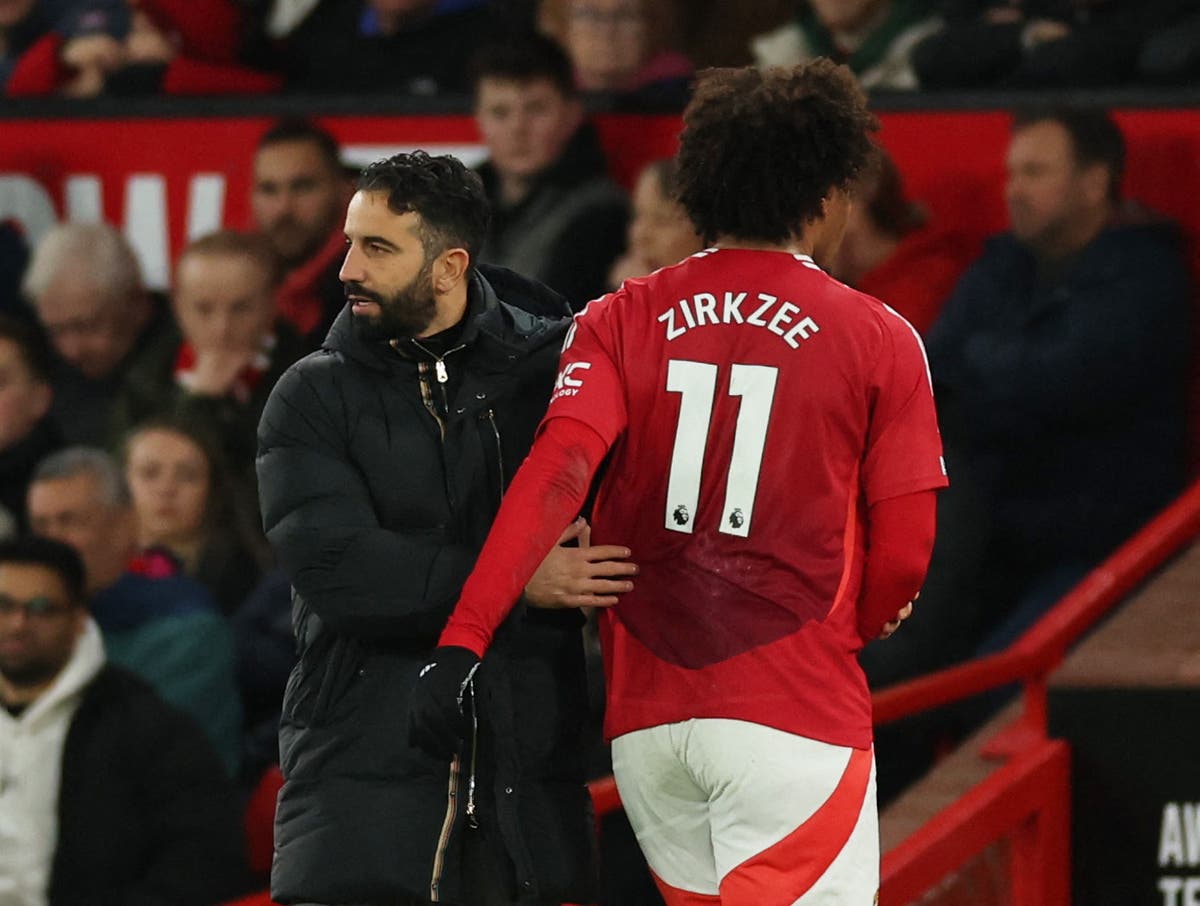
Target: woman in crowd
x,y
622,46
660,232
186,510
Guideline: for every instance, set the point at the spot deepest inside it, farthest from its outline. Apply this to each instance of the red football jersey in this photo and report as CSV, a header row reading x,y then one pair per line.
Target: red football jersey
x,y
756,407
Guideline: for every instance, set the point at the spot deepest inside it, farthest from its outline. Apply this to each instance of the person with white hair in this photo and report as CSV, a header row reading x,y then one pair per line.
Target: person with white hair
x,y
155,622
85,286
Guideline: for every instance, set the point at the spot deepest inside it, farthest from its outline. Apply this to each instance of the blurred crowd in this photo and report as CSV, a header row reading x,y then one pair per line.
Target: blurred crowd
x,y
1060,352
642,49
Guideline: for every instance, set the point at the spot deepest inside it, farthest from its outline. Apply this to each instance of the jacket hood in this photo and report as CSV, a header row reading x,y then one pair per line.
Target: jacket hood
x,y
522,316
86,661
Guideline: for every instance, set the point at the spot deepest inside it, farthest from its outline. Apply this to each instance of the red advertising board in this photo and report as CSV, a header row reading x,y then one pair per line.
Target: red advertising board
x,y
167,179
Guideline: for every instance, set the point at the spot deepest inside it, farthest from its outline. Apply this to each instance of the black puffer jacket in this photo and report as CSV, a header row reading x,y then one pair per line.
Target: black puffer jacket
x,y
377,495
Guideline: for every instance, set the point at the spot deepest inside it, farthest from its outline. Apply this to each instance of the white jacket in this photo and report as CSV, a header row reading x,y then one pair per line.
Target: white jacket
x,y
31,748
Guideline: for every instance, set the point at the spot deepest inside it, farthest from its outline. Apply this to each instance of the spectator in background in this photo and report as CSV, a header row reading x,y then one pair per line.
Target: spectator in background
x,y
186,506
86,288
300,194
107,795
629,47
1040,43
556,216
160,625
404,47
660,231
1061,363
1171,53
27,433
22,23
139,47
230,350
14,257
892,252
266,654
873,37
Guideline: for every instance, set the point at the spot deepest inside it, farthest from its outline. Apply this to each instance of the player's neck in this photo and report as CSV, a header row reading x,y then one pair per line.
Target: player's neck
x,y
795,246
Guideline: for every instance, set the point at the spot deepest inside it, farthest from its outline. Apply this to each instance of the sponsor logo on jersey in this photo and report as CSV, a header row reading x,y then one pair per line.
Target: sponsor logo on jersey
x,y
569,380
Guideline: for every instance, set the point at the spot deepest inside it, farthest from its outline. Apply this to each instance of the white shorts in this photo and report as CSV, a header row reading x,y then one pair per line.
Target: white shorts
x,y
740,814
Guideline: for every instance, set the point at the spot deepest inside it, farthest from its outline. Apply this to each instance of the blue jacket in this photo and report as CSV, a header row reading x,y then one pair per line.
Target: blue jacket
x,y
1066,395
168,632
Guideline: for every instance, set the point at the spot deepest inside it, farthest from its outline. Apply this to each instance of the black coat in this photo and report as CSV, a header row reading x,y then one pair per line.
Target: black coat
x,y
377,510
1067,395
147,815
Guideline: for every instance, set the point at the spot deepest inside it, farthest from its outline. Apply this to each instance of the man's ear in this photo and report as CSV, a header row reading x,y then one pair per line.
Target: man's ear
x,y
449,269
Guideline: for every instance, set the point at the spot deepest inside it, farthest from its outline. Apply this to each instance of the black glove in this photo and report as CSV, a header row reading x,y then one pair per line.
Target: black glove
x,y
437,721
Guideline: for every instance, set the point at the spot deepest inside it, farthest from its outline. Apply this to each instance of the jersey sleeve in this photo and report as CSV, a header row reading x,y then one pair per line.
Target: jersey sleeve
x,y
589,388
904,446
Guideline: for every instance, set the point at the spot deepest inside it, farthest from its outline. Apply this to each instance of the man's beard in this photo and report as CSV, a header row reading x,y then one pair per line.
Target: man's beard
x,y
29,674
406,313
295,243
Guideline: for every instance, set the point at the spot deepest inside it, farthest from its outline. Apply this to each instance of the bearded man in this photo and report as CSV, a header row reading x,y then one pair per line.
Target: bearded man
x,y
382,460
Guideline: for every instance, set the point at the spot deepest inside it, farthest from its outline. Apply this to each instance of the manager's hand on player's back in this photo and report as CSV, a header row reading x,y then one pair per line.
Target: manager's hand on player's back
x,y
583,576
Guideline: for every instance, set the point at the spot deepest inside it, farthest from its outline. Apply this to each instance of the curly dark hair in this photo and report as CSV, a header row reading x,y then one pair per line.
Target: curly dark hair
x,y
761,149
448,197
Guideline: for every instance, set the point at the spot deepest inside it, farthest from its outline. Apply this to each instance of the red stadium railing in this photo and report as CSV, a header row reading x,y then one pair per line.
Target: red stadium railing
x,y
1025,804
1027,801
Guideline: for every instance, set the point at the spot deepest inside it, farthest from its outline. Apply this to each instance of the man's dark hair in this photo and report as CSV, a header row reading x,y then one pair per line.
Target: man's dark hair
x,y
1095,138
448,197
31,346
298,129
762,149
60,559
524,58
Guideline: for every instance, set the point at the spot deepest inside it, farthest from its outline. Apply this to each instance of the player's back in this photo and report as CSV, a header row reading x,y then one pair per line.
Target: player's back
x,y
750,382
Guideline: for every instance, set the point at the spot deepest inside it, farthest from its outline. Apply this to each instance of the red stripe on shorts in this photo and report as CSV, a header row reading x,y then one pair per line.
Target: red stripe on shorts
x,y
675,896
786,871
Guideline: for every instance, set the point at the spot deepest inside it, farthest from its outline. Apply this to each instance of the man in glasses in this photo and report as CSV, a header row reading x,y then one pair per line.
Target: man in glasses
x,y
162,825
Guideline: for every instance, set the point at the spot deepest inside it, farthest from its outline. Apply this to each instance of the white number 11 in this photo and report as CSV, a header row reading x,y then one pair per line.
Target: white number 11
x,y
696,382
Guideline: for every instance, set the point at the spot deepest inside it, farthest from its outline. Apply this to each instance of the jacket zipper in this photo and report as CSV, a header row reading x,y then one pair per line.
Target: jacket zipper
x,y
443,377
439,854
472,818
491,417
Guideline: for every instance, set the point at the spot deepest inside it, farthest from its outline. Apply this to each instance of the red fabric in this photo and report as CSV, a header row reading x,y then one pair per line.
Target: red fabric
x,y
918,277
186,76
154,563
207,29
677,896
900,533
765,571
786,871
38,71
745,608
207,33
298,298
259,821
544,497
